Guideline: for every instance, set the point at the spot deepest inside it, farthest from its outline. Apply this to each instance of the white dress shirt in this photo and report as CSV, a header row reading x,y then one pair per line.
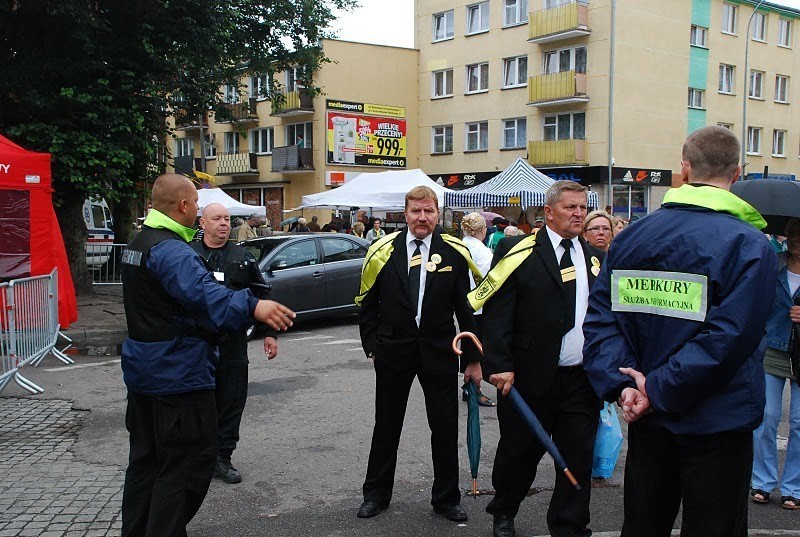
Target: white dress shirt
x,y
424,249
482,256
572,342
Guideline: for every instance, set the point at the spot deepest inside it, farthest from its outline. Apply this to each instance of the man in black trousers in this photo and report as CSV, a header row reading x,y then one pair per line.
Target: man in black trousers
x,y
413,282
538,290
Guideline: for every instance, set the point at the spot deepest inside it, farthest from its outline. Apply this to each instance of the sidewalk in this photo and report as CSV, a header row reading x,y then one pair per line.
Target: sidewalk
x,y
101,321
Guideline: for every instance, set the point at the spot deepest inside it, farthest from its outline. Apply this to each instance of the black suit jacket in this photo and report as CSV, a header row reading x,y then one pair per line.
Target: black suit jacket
x,y
523,323
388,328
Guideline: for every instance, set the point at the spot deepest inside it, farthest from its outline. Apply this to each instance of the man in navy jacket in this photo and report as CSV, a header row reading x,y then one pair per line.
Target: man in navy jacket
x,y
675,332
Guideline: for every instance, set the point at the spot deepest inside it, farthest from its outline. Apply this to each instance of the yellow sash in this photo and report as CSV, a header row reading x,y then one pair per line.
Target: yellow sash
x,y
501,271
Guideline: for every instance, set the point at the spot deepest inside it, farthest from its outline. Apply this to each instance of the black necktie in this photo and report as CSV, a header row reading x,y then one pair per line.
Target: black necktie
x,y
568,278
413,276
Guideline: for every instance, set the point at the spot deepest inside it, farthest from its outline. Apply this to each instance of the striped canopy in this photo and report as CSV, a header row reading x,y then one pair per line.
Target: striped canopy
x,y
520,184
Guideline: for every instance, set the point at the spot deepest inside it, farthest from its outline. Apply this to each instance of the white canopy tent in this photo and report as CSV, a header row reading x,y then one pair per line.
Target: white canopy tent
x,y
381,191
207,196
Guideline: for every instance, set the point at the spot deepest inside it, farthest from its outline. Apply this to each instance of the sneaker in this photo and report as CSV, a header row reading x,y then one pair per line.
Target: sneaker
x,y
226,472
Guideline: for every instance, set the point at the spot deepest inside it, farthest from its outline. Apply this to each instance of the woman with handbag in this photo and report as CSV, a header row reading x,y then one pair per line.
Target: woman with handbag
x,y
779,366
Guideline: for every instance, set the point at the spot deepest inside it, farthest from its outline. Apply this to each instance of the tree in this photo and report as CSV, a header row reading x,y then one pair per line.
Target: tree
x,y
92,82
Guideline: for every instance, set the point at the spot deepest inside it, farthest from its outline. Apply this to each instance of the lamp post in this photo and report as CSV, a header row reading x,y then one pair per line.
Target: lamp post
x,y
745,90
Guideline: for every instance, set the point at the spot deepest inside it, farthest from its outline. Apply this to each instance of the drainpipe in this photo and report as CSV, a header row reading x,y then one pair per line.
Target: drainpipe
x,y
202,143
745,90
612,40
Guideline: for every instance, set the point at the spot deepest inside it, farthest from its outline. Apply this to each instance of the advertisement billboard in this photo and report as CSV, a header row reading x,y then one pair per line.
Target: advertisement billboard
x,y
364,134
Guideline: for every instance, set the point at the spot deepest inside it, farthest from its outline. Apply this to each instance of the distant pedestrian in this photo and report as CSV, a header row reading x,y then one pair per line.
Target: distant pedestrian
x,y
500,226
301,226
375,231
314,224
358,229
248,229
598,230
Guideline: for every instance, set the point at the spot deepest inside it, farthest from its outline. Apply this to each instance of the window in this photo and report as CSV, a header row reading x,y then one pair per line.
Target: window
x,y
262,140
443,83
478,18
756,84
297,254
515,72
341,250
696,98
728,126
514,133
727,77
778,143
784,33
556,61
759,32
564,127
515,12
729,17
753,140
231,142
258,87
477,77
300,129
184,147
443,26
698,36
478,136
211,145
442,139
781,89
294,78
231,94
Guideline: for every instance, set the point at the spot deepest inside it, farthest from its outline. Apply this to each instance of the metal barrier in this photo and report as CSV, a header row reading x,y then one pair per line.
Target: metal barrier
x,y
29,327
103,261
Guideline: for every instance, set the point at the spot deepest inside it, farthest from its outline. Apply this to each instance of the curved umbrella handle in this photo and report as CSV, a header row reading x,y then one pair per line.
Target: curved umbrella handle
x,y
462,335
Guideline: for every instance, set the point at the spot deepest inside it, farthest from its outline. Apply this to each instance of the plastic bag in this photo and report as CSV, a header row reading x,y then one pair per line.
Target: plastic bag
x,y
607,443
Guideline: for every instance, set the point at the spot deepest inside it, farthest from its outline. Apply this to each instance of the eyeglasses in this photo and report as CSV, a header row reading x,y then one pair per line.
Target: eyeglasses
x,y
597,229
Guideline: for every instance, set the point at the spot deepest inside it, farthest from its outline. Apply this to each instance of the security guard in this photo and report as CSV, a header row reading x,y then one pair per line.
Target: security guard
x,y
236,268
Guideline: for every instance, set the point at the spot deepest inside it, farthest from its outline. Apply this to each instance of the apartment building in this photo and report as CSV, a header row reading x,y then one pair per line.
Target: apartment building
x,y
581,88
273,153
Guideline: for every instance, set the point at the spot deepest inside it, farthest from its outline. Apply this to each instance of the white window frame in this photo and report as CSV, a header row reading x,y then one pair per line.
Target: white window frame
x,y
257,137
258,87
551,121
445,132
754,140
756,87
479,69
759,29
477,18
727,79
697,99
307,132
448,18
478,131
728,126
778,143
784,33
439,84
210,146
293,76
547,68
511,71
698,36
782,89
730,18
515,12
184,147
231,144
517,127
231,94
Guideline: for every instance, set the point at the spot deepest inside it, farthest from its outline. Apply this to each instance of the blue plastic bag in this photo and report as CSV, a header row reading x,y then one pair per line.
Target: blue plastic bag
x,y
607,443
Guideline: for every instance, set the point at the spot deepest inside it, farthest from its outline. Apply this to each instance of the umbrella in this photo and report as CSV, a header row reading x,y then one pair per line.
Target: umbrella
x,y
527,414
473,434
290,220
777,200
489,216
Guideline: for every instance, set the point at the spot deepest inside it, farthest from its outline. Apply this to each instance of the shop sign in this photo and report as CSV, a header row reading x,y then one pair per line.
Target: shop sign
x,y
460,181
641,176
513,200
363,134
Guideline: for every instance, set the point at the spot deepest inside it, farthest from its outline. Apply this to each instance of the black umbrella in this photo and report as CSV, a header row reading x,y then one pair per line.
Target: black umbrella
x,y
777,200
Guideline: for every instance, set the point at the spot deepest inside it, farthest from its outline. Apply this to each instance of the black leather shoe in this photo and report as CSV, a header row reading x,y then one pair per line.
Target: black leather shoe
x,y
371,508
455,513
225,471
503,526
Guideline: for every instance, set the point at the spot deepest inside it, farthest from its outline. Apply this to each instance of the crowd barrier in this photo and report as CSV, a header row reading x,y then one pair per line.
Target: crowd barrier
x,y
103,261
29,328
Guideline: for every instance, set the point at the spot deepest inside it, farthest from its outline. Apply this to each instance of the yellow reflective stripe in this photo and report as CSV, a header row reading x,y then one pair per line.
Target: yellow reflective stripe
x,y
377,256
501,271
463,249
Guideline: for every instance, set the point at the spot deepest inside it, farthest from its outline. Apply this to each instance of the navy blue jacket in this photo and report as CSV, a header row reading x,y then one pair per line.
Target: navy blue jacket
x,y
704,375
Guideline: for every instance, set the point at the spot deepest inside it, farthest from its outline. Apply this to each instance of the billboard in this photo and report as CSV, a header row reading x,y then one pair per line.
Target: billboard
x,y
364,134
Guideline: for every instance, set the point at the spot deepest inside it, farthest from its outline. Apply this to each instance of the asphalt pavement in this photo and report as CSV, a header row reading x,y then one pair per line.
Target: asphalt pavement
x,y
303,450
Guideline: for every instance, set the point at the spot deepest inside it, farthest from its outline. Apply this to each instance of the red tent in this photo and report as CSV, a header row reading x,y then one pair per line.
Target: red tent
x,y
30,239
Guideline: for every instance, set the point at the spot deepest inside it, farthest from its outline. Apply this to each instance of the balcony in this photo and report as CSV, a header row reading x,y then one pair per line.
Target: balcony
x,y
557,153
185,120
292,159
557,88
292,103
238,112
243,163
560,22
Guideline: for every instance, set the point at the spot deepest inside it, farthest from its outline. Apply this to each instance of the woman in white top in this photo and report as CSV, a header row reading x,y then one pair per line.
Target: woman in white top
x,y
474,227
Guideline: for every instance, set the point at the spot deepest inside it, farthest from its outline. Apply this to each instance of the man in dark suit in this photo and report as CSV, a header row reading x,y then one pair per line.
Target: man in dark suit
x,y
533,339
413,282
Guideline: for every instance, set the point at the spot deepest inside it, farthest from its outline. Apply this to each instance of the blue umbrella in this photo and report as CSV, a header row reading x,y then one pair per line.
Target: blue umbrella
x,y
527,414
473,434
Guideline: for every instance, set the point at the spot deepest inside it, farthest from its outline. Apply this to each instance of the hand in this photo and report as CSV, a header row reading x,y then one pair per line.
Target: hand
x,y
503,381
638,377
276,315
794,314
271,347
473,372
634,404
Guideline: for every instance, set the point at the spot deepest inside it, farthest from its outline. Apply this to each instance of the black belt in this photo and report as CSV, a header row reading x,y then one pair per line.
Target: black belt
x,y
567,369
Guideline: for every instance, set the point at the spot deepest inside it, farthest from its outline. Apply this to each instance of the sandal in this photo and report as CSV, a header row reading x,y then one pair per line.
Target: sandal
x,y
790,502
759,496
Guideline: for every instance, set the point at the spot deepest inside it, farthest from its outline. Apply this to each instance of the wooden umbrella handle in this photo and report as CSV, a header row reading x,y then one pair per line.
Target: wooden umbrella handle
x,y
471,336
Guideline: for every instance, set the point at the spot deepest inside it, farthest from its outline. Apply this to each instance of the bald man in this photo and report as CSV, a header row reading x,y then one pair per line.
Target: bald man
x,y
175,310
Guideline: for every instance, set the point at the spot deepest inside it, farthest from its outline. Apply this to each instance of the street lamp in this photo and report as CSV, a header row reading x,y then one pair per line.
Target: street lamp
x,y
745,88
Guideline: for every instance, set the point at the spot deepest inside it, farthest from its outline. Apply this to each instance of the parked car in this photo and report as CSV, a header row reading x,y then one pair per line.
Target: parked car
x,y
314,274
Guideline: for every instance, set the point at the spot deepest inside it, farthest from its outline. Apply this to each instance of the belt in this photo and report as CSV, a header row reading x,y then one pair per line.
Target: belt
x,y
568,369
